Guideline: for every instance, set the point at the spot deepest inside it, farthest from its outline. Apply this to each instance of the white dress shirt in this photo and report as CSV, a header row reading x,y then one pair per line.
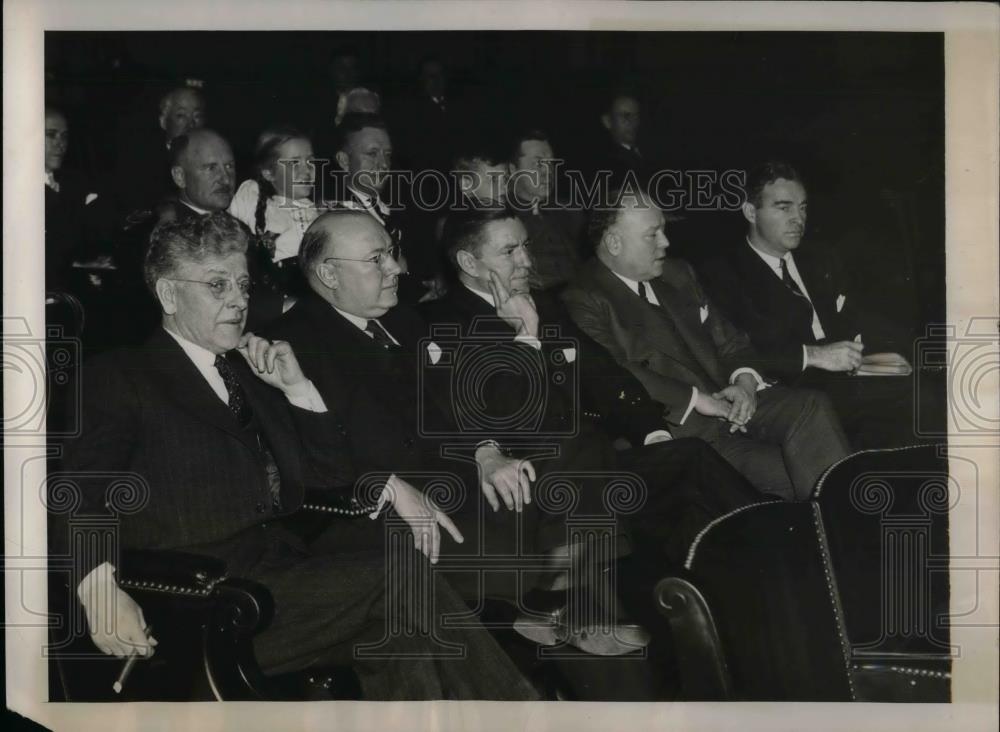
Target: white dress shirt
x,y
775,264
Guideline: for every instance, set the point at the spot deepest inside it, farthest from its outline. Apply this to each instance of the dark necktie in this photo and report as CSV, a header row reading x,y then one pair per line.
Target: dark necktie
x,y
379,335
789,282
238,403
243,412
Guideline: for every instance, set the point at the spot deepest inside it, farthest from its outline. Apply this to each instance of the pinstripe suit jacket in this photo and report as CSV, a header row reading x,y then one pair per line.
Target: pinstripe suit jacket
x,y
149,413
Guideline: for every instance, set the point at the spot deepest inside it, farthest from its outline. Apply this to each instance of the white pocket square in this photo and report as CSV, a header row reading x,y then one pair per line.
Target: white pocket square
x,y
91,197
570,354
703,312
840,302
434,352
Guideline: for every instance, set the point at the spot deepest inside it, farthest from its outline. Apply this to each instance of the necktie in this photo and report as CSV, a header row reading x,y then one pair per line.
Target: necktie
x,y
789,282
238,404
379,335
642,293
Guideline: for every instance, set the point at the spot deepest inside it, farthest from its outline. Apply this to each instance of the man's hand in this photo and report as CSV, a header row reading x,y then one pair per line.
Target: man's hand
x,y
126,634
517,310
715,405
422,516
508,477
839,356
274,363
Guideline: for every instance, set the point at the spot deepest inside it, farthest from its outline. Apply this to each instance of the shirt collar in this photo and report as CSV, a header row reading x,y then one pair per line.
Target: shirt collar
x,y
484,295
202,357
632,284
357,321
772,261
369,201
194,208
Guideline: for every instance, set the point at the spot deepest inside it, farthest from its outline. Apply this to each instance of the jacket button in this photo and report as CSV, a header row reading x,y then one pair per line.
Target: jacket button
x,y
260,507
408,442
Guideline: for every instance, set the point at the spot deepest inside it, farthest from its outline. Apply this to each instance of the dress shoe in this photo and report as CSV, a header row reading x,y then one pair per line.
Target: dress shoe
x,y
599,639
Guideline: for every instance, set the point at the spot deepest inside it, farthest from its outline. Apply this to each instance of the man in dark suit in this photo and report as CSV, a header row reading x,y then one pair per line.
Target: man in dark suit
x,y
798,304
651,314
620,152
226,432
365,159
555,229
143,166
77,219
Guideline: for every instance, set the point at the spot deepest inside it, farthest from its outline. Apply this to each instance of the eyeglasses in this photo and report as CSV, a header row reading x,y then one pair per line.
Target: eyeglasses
x,y
378,259
220,287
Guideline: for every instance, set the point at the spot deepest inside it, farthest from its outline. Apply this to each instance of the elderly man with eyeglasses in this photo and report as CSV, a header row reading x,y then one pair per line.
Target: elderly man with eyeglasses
x,y
227,433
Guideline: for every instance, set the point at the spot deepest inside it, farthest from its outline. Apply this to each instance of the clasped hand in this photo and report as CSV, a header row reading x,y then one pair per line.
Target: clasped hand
x,y
507,477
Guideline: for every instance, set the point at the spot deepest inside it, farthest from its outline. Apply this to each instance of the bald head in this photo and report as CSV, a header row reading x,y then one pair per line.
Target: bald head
x,y
181,110
203,169
349,260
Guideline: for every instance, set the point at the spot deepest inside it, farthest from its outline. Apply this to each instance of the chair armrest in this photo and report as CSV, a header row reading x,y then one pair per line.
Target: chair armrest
x,y
700,657
161,570
335,501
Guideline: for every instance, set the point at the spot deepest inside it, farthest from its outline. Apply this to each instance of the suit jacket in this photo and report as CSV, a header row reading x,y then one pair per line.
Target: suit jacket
x,y
149,412
777,320
601,392
373,389
683,343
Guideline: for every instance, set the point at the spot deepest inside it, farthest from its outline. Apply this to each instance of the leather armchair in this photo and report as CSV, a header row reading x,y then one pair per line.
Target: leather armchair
x,y
204,621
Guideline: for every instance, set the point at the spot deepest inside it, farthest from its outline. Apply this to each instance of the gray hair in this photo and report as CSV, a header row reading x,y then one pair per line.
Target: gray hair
x,y
173,243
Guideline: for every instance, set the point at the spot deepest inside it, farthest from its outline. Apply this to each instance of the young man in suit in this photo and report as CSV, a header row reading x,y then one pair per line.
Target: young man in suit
x,y
797,303
227,433
651,314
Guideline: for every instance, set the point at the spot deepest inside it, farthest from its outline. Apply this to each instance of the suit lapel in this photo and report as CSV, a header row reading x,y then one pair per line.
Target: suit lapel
x,y
684,315
795,309
184,385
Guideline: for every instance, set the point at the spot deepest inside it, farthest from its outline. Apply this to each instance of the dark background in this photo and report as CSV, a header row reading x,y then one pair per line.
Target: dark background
x,y
860,114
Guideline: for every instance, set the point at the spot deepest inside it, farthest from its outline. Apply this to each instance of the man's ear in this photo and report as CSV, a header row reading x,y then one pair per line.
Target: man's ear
x,y
606,121
327,274
163,121
177,175
466,262
166,293
749,212
612,242
343,160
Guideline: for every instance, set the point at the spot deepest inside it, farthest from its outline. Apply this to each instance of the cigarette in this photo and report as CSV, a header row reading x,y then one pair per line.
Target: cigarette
x,y
127,668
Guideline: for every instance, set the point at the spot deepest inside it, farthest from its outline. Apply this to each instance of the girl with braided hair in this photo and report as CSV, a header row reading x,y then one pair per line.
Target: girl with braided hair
x,y
277,205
